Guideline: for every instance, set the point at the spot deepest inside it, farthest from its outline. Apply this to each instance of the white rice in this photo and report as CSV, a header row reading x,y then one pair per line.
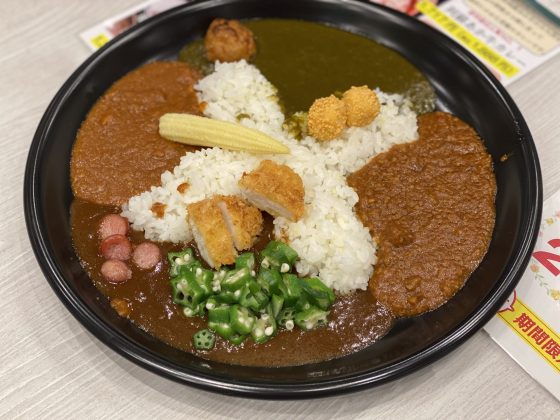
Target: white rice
x,y
330,239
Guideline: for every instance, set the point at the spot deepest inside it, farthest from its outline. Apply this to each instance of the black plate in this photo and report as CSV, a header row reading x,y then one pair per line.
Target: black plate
x,y
463,86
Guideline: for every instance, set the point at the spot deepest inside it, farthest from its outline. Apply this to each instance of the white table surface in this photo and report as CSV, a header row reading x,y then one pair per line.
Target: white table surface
x,y
51,367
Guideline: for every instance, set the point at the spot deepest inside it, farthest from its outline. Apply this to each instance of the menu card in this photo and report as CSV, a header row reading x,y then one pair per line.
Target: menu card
x,y
512,37
527,326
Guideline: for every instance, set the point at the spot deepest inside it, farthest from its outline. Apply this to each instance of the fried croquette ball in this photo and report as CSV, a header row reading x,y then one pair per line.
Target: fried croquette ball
x,y
229,40
326,118
362,106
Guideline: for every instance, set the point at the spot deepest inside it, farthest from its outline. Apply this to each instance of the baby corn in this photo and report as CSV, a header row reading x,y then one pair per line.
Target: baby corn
x,y
201,131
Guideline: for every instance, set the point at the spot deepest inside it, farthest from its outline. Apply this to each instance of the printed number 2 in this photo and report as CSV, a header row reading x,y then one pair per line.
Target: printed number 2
x,y
546,258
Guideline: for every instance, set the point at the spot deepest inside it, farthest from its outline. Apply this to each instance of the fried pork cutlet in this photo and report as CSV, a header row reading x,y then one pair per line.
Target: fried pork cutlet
x,y
243,220
274,188
211,233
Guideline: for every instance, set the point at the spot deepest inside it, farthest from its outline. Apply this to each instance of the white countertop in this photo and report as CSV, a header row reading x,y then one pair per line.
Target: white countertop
x,y
51,367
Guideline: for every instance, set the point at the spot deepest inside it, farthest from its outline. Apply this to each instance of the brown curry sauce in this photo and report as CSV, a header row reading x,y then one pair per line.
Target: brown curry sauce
x,y
118,151
431,209
355,321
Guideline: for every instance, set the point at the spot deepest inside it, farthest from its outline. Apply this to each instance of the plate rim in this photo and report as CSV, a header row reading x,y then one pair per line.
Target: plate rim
x,y
270,390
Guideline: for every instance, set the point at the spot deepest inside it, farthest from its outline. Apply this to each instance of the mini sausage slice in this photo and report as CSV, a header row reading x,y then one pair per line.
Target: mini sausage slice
x,y
112,224
146,255
116,247
116,271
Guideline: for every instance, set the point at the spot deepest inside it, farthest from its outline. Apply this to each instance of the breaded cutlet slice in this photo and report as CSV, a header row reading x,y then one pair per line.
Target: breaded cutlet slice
x,y
243,220
210,232
274,188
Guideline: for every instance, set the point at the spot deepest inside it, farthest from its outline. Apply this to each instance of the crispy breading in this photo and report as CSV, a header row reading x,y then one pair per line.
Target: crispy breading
x,y
326,118
243,220
362,106
274,188
210,232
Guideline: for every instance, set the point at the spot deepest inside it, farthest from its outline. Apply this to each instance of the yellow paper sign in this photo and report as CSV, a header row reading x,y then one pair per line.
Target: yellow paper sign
x,y
544,340
99,40
465,37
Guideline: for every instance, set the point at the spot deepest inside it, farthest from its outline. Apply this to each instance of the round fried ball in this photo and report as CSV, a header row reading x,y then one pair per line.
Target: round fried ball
x,y
229,40
362,106
326,118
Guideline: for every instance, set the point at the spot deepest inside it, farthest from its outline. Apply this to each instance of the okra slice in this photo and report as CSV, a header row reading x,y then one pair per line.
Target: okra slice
x,y
292,291
270,281
311,318
276,304
303,303
219,314
256,299
229,297
224,330
262,300
241,319
196,310
253,286
195,293
245,260
319,294
204,340
177,285
182,261
286,318
260,334
186,291
204,279
237,339
277,253
236,279
264,328
181,257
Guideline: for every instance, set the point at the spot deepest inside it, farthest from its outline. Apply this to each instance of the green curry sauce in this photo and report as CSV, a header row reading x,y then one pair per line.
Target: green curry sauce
x,y
306,61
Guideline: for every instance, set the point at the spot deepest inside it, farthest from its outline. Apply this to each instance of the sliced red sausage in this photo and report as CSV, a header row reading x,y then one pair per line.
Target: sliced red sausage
x,y
146,255
116,271
112,224
116,247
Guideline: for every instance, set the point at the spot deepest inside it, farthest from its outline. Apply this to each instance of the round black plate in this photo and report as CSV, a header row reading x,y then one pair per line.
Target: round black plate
x,y
463,86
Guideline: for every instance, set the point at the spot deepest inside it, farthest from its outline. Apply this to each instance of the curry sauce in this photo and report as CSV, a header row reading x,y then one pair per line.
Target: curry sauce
x,y
430,205
356,320
118,152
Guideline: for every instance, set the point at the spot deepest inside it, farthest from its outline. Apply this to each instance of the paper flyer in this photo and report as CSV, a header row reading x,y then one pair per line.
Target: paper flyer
x,y
98,35
512,37
528,325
